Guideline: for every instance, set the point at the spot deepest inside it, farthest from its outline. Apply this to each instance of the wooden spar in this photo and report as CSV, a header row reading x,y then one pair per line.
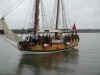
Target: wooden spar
x,y
36,18
57,17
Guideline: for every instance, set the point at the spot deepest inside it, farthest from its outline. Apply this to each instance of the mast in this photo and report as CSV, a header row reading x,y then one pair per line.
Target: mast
x,y
57,17
36,18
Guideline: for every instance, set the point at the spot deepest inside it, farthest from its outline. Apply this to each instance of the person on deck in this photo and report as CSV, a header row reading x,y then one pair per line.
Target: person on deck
x,y
74,27
38,39
77,37
34,39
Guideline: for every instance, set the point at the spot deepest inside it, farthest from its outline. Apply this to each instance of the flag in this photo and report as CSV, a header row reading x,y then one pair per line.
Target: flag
x,y
74,27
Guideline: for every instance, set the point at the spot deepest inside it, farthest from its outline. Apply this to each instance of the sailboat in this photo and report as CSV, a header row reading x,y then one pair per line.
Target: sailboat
x,y
35,42
46,41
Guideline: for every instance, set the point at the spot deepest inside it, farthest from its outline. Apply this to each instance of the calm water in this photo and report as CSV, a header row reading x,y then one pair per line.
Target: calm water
x,y
84,62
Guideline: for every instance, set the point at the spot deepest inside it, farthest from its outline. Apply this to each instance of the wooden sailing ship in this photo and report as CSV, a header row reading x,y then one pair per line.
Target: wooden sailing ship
x,y
35,42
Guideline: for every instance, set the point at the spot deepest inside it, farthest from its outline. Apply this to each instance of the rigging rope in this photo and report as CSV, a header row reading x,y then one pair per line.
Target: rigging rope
x,y
48,13
5,11
26,18
69,11
42,12
63,15
29,17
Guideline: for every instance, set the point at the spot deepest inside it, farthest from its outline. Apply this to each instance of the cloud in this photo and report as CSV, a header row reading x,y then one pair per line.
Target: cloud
x,y
85,13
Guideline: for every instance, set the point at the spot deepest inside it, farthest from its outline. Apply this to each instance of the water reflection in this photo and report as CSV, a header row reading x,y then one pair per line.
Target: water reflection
x,y
48,63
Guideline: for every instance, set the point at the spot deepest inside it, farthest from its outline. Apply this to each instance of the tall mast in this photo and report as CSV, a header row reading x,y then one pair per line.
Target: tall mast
x,y
36,18
57,17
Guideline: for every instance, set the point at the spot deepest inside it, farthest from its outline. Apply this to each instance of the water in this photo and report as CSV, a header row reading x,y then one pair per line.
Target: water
x,y
84,62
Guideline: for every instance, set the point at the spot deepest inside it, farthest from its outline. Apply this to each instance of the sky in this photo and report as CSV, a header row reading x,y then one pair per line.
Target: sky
x,y
85,13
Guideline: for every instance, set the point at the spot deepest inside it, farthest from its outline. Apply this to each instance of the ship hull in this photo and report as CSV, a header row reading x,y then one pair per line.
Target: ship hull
x,y
41,48
58,45
42,52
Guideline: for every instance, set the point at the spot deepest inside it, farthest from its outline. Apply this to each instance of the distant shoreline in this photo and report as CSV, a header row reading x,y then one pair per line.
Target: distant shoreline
x,y
79,31
22,31
88,30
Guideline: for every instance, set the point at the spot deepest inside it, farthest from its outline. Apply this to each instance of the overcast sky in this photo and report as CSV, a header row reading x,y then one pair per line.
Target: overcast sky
x,y
85,13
